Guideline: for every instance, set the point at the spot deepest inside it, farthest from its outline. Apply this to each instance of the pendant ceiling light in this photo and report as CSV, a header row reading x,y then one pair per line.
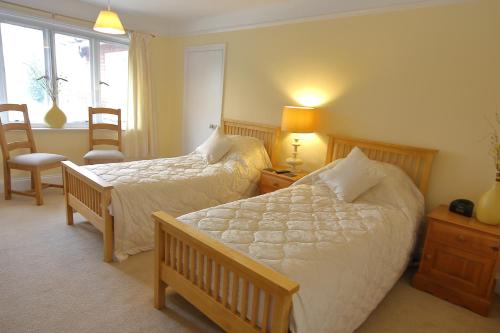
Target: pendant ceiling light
x,y
108,22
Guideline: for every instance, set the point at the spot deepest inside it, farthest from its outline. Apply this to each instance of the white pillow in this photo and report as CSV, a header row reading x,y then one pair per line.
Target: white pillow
x,y
215,147
353,176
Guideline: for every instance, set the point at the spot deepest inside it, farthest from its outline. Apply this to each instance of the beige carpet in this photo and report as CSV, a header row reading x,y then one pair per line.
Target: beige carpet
x,y
52,280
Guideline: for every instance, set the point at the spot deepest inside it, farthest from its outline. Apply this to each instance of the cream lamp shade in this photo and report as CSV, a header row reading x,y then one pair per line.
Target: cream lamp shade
x,y
298,119
108,22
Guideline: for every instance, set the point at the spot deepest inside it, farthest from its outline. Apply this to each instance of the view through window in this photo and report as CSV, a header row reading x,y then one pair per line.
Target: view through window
x,y
84,70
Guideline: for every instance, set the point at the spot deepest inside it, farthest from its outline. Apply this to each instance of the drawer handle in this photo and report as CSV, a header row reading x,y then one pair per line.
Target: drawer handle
x,y
428,256
461,238
276,184
495,248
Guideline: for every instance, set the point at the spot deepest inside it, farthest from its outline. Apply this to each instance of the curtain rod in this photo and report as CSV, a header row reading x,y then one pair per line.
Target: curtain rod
x,y
55,15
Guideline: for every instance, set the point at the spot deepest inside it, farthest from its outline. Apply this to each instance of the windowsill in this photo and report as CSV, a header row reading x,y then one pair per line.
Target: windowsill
x,y
64,129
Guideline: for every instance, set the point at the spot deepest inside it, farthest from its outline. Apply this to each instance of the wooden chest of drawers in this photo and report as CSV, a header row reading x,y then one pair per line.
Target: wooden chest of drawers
x,y
460,260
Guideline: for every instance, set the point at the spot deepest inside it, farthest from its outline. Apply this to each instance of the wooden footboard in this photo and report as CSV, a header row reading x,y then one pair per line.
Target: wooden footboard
x,y
90,196
236,292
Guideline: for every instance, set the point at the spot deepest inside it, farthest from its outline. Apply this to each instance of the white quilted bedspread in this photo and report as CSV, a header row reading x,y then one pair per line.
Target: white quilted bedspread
x,y
345,257
178,186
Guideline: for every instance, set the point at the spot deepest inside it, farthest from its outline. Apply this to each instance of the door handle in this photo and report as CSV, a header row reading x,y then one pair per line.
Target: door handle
x,y
212,126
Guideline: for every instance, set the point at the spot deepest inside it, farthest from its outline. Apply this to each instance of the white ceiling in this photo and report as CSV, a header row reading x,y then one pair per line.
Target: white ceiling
x,y
198,16
185,9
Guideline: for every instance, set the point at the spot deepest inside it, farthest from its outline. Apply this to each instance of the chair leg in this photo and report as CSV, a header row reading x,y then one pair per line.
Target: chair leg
x,y
38,186
7,182
32,181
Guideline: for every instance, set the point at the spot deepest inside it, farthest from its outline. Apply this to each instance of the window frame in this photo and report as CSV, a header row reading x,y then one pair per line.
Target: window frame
x,y
49,29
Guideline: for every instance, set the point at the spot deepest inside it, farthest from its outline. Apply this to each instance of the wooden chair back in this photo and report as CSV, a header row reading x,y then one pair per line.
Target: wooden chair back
x,y
105,126
7,147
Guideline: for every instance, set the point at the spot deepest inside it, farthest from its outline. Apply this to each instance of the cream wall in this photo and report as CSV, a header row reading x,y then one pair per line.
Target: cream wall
x,y
425,77
72,143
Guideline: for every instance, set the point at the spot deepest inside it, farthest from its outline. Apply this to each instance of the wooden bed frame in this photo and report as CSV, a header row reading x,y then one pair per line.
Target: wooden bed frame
x,y
89,195
217,279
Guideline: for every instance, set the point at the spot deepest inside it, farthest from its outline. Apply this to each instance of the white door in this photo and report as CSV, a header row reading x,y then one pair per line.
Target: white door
x,y
203,93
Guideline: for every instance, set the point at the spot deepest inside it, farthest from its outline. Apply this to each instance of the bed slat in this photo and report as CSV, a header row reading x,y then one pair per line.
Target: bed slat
x,y
255,306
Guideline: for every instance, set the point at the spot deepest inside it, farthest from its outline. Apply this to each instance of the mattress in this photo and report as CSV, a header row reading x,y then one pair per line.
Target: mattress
x,y
345,256
178,186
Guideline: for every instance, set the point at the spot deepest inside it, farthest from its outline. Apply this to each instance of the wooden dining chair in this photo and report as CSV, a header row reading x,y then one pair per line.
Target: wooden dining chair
x,y
32,162
95,156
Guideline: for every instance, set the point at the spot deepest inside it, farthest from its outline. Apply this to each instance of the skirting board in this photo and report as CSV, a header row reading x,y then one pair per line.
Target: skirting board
x,y
23,184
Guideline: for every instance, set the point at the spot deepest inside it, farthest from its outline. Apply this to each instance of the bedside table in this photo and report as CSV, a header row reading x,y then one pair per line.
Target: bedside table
x,y
460,259
271,181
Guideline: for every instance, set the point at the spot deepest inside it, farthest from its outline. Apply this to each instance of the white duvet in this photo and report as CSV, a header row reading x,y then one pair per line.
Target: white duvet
x,y
178,186
345,257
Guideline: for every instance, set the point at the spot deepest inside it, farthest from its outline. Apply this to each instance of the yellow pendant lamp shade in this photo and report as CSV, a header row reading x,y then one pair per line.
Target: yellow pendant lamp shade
x,y
108,22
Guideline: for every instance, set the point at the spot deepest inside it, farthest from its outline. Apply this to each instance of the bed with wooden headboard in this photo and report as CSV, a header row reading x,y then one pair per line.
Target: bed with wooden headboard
x,y
90,195
215,278
416,162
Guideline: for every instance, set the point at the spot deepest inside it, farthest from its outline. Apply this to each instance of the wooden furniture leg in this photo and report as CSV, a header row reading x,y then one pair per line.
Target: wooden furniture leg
x,y
159,285
69,209
32,177
69,214
7,182
38,186
108,228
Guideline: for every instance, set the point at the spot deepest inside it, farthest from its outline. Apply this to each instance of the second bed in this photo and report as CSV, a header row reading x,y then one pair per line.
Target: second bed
x,y
242,263
118,198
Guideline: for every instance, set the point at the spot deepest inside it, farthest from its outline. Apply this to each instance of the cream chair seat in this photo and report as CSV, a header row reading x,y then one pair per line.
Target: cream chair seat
x,y
36,159
102,154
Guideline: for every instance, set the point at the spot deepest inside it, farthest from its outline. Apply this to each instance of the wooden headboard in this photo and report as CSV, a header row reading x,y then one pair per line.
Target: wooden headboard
x,y
269,135
416,162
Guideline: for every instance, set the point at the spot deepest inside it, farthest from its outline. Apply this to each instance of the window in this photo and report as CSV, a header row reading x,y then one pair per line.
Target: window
x,y
87,69
23,57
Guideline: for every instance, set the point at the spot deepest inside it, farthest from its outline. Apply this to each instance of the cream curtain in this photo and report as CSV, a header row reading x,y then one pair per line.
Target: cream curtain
x,y
140,138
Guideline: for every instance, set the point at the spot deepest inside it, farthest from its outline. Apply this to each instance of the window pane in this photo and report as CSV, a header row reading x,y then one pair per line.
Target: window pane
x,y
114,76
23,50
73,65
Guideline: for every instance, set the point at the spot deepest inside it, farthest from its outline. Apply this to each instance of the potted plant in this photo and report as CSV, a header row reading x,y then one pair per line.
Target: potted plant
x,y
488,208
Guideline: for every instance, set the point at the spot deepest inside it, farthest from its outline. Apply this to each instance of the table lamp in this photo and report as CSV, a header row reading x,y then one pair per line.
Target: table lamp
x,y
297,119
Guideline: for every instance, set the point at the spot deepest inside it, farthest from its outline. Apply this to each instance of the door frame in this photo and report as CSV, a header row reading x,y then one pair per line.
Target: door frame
x,y
203,48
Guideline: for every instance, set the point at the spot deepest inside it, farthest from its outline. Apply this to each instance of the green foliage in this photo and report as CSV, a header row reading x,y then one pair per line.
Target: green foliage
x,y
35,90
41,84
